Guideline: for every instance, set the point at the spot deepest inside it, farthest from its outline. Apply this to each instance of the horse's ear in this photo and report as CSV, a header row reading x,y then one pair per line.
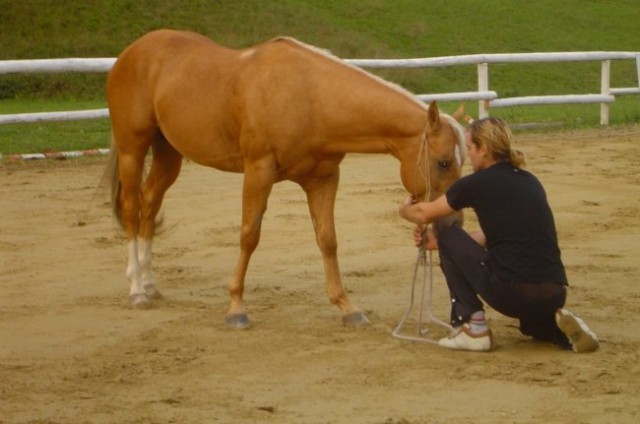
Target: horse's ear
x,y
433,122
459,113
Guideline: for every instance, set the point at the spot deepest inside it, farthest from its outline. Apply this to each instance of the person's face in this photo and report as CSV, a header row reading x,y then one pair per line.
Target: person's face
x,y
477,155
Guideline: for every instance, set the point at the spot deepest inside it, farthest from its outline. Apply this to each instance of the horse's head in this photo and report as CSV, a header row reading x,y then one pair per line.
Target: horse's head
x,y
434,162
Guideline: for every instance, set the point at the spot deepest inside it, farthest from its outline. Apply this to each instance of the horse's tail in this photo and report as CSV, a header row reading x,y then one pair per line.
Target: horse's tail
x,y
111,174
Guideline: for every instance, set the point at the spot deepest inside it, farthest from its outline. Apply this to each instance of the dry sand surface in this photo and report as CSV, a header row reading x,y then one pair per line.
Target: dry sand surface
x,y
72,351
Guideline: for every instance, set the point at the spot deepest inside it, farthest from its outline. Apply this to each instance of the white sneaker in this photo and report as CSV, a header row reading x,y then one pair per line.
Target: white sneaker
x,y
464,339
581,337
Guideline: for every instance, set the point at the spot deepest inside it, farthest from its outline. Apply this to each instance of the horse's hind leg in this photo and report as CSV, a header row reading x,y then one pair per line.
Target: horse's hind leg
x,y
130,170
139,204
165,167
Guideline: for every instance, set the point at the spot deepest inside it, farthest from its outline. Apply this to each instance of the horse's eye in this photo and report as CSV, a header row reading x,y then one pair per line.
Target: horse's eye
x,y
444,164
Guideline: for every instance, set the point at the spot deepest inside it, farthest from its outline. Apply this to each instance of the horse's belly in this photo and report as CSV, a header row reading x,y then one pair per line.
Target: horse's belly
x,y
222,165
222,159
215,153
202,138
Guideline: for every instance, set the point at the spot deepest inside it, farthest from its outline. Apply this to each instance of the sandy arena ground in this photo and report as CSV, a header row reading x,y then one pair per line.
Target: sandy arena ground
x,y
72,351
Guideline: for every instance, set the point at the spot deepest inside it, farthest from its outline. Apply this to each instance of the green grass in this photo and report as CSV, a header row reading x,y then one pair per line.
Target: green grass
x,y
31,29
52,136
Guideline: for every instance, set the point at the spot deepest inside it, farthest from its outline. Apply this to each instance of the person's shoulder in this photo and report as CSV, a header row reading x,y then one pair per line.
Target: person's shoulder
x,y
522,171
501,166
467,182
505,167
465,179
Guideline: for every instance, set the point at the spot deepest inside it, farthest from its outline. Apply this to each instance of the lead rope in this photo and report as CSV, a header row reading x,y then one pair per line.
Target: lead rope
x,y
421,262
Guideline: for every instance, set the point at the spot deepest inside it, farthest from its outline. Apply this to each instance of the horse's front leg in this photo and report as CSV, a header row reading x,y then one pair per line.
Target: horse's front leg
x,y
321,196
258,182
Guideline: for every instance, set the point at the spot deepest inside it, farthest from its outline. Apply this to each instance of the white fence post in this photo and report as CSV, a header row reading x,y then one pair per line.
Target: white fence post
x,y
605,90
483,85
638,68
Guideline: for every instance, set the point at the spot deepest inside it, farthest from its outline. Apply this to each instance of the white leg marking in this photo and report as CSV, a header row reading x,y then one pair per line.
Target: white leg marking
x,y
137,295
148,282
144,258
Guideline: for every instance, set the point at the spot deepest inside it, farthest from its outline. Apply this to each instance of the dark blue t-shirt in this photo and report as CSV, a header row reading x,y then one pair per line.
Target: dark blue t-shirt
x,y
517,222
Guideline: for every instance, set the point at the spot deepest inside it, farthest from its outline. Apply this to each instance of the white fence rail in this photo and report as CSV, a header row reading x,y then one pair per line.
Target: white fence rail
x,y
486,98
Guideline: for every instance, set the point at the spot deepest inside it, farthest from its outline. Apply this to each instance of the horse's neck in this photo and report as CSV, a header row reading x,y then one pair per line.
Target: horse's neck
x,y
360,145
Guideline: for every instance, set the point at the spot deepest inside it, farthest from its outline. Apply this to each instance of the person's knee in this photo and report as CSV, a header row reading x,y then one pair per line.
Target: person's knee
x,y
447,237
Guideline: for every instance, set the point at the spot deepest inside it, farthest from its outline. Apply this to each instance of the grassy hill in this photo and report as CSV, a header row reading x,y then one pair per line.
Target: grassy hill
x,y
50,28
31,29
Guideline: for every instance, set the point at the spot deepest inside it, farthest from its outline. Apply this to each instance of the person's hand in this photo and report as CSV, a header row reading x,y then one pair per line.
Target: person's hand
x,y
408,200
430,240
417,235
405,205
426,237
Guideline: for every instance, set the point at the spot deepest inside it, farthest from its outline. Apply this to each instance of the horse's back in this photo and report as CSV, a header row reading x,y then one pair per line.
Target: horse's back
x,y
201,96
177,83
158,58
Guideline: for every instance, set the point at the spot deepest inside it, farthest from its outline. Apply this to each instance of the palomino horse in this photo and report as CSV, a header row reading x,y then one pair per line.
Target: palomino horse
x,y
281,110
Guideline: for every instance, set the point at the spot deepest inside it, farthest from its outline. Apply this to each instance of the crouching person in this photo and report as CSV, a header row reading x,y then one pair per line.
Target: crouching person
x,y
513,262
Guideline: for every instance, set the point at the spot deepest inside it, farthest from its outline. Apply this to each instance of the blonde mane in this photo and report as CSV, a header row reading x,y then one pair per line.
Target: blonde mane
x,y
328,55
461,152
455,125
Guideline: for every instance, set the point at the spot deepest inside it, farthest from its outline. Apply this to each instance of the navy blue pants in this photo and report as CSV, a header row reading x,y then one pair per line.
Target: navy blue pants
x,y
468,271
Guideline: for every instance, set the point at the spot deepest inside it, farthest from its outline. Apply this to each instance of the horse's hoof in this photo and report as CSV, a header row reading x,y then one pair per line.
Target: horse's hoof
x,y
355,319
152,291
237,321
139,300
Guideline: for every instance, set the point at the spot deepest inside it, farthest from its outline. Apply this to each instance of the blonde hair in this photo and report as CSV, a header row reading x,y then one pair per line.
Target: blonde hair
x,y
495,134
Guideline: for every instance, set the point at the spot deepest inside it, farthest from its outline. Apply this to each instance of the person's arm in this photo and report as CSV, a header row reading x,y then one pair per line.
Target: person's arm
x,y
424,212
